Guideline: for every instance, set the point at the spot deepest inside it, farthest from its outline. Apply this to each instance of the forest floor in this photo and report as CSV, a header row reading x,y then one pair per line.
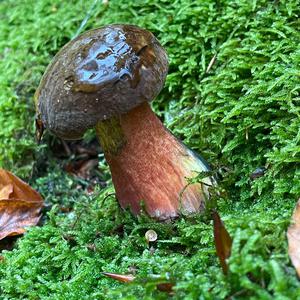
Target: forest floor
x,y
232,95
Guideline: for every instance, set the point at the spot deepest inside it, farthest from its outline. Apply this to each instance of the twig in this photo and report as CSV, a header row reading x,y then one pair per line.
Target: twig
x,y
87,17
211,63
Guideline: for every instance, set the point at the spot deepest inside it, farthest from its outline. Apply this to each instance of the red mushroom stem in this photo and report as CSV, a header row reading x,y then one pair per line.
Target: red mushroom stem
x,y
149,164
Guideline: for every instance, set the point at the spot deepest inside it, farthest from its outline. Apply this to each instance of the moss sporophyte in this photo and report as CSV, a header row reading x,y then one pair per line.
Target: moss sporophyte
x,y
104,79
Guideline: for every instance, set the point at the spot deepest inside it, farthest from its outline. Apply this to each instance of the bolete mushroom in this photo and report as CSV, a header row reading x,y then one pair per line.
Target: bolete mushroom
x,y
104,79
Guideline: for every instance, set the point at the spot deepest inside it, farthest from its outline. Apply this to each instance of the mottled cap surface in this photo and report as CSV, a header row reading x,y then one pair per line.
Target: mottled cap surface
x,y
100,74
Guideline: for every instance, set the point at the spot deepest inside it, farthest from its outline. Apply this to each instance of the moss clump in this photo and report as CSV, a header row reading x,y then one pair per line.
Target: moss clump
x,y
241,114
65,257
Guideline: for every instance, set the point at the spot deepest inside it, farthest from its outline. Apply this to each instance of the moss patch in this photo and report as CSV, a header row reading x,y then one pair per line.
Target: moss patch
x,y
241,113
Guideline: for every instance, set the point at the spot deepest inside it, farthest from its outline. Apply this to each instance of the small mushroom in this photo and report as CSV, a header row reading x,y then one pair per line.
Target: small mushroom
x,y
150,236
104,79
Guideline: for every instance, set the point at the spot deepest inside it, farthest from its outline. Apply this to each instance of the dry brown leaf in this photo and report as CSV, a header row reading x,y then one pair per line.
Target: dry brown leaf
x,y
223,241
6,191
163,287
120,277
21,190
20,205
82,168
17,214
293,235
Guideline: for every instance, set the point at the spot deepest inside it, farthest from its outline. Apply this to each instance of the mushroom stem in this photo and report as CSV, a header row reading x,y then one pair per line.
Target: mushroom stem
x,y
152,166
110,135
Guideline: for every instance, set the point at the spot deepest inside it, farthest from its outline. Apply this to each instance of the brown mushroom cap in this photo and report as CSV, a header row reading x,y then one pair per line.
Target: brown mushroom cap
x,y
100,74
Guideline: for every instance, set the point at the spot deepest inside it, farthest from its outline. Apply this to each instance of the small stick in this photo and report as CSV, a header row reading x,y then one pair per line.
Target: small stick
x,y
211,63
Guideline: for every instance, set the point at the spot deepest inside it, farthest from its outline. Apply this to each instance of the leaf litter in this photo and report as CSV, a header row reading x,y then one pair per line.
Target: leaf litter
x,y
20,205
293,236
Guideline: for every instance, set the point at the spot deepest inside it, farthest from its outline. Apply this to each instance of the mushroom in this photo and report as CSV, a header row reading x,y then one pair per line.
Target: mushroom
x,y
150,236
104,79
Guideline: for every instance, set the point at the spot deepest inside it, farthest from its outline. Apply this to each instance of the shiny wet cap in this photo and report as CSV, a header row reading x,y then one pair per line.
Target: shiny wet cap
x,y
100,74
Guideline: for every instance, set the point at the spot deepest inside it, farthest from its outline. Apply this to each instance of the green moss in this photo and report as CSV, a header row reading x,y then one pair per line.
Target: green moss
x,y
241,114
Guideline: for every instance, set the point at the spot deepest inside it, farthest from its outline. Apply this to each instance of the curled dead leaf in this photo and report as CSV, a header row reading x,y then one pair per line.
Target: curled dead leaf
x,y
293,235
20,205
223,241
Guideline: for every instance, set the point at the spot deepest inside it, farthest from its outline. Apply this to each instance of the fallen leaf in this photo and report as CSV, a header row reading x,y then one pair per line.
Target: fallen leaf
x,y
120,277
82,168
163,287
6,191
17,214
21,190
223,241
20,205
293,235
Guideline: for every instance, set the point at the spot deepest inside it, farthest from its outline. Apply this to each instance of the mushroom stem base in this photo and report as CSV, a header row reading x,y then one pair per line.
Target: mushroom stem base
x,y
153,168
